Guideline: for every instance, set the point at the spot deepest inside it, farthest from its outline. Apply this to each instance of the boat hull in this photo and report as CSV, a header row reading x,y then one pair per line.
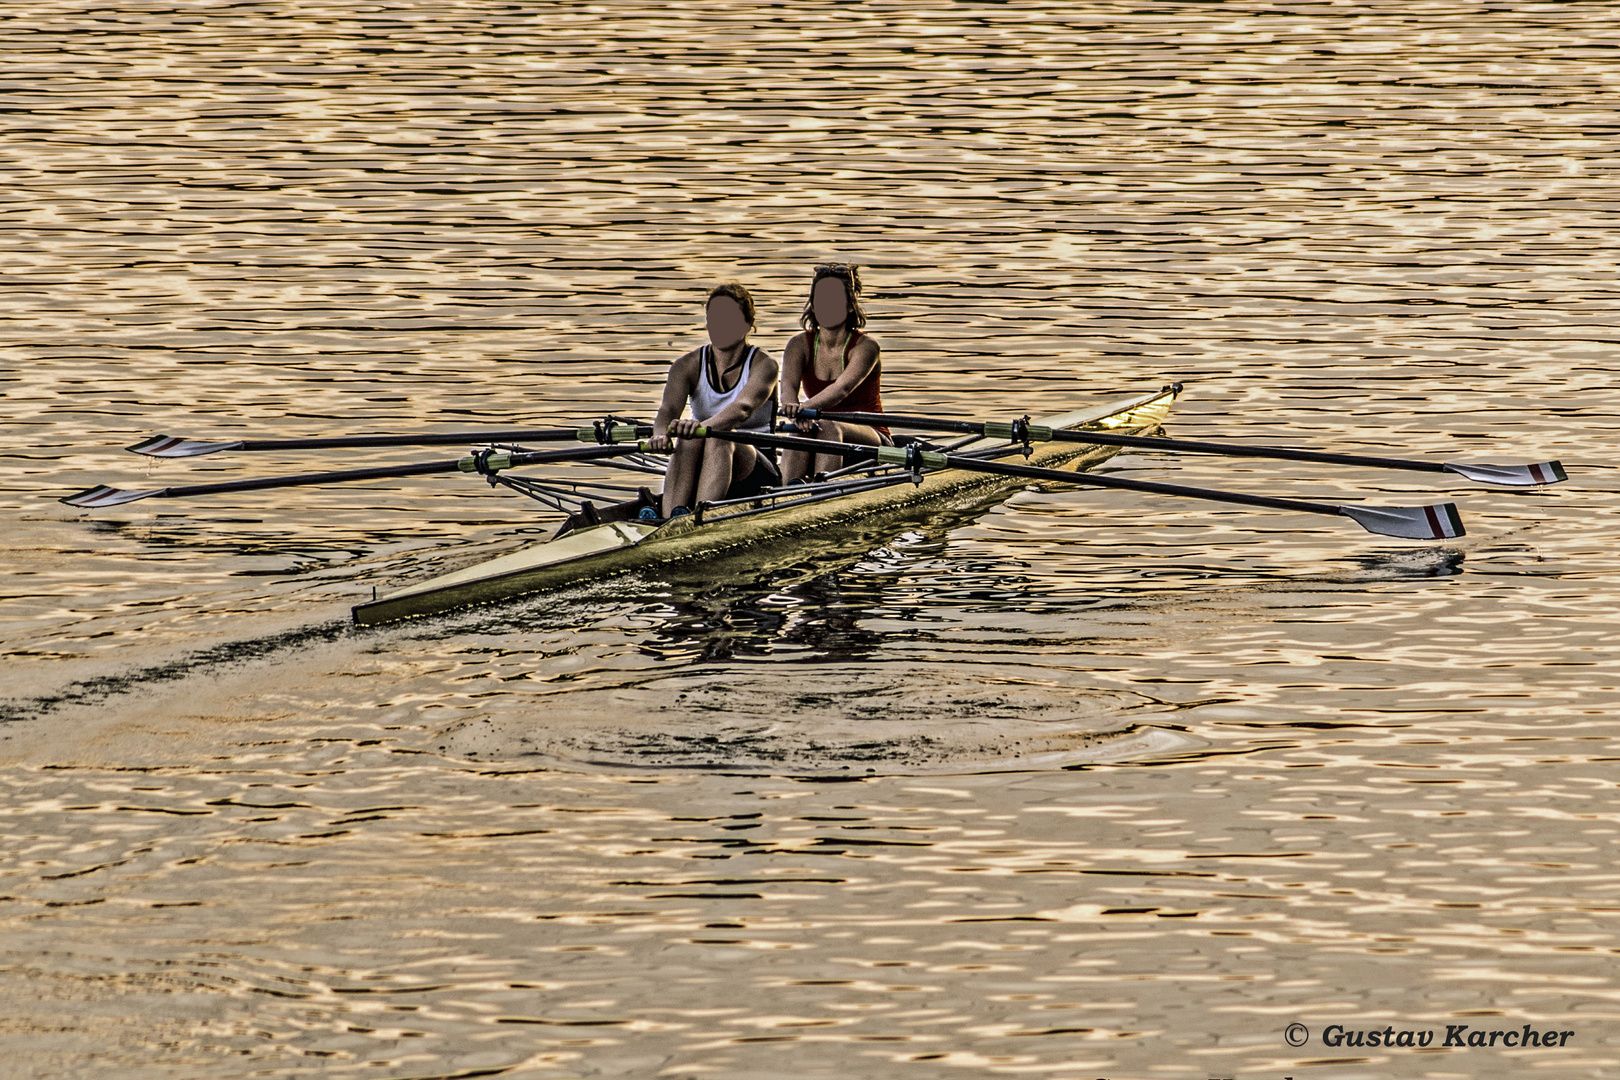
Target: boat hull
x,y
593,553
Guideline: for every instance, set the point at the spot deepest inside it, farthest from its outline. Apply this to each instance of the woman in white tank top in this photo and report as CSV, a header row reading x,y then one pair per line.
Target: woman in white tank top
x,y
730,385
707,399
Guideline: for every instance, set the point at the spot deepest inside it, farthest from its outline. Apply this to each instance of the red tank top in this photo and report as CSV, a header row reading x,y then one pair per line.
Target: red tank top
x,y
866,397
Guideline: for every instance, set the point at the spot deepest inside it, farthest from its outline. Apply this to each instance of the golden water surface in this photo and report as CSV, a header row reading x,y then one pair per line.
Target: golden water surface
x,y
1091,784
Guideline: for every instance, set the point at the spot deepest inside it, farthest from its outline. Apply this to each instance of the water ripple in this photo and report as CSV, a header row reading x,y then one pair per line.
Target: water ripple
x,y
1080,784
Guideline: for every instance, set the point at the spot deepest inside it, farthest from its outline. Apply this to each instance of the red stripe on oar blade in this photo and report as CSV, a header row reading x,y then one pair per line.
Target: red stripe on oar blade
x,y
1545,472
1407,522
1445,520
1548,472
1448,523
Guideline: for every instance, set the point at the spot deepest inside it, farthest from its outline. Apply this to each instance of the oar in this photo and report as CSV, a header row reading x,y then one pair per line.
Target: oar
x,y
1545,472
485,462
171,446
1437,522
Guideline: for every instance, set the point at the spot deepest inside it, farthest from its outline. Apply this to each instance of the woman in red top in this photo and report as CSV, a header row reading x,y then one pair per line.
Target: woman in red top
x,y
832,366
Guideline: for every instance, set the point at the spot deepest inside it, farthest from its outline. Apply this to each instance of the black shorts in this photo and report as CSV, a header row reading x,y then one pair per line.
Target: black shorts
x,y
762,476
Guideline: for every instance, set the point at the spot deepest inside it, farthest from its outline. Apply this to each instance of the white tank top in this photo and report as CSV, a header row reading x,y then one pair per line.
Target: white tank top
x,y
706,399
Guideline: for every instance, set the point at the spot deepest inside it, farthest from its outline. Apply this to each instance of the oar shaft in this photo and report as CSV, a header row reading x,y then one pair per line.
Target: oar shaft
x,y
790,442
579,453
306,479
897,455
169,446
497,462
454,438
1029,472
918,423
1141,442
486,462
1283,453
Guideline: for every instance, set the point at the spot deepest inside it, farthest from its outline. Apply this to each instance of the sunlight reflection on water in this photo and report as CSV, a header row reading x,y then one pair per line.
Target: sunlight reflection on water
x,y
1083,784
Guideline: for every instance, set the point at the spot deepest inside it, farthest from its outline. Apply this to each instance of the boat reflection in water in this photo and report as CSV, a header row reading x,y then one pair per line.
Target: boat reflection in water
x,y
815,658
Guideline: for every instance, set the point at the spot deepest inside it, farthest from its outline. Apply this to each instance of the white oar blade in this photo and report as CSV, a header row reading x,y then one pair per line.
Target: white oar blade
x,y
167,446
1438,522
102,496
1544,472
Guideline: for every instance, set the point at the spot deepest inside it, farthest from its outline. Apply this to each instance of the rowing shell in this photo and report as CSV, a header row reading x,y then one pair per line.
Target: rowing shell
x,y
596,552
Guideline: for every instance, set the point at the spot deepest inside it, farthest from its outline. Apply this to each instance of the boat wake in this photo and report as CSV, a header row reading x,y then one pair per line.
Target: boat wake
x,y
762,751
853,725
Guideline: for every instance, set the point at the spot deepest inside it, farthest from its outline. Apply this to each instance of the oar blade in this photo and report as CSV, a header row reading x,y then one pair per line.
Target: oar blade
x,y
1543,472
1438,522
101,496
169,446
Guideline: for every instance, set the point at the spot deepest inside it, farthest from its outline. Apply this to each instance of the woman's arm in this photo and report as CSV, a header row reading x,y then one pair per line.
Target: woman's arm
x,y
793,361
677,389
